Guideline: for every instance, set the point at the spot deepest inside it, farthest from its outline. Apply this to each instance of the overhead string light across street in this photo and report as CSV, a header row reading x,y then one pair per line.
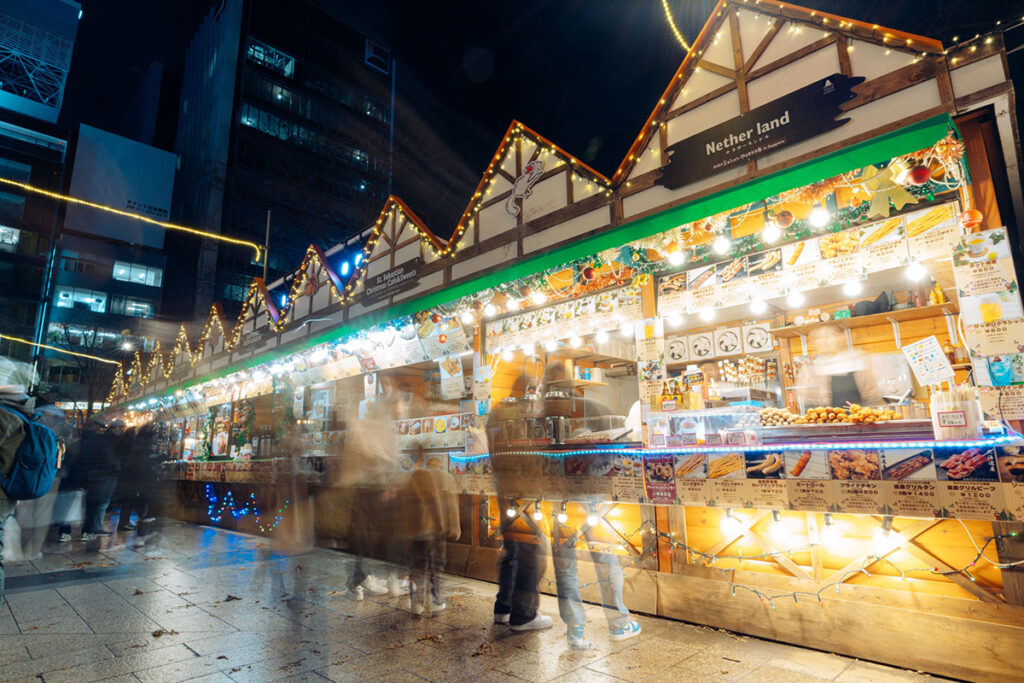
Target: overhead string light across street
x,y
672,25
128,214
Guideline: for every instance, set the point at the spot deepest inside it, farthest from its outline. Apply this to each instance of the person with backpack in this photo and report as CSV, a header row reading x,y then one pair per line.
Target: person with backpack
x,y
30,453
34,516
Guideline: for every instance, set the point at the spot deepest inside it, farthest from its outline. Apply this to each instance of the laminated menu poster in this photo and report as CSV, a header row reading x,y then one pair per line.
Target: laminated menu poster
x,y
672,294
729,493
444,337
928,362
701,282
452,383
650,340
908,464
811,494
1003,403
589,473
882,245
971,500
864,497
628,480
912,498
768,494
659,474
842,268
933,232
693,491
997,337
966,464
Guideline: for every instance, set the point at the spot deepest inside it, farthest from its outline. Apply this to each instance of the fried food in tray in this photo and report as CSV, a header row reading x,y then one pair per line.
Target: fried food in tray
x,y
856,463
688,465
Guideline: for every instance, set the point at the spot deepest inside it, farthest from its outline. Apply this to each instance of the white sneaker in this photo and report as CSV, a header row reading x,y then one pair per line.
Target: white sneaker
x,y
357,593
538,623
417,609
436,607
397,587
374,586
501,618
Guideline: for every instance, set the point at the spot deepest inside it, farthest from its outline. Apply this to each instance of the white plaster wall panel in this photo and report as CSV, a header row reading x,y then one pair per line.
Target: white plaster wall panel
x,y
500,183
791,38
429,255
219,363
358,309
378,266
466,239
546,196
382,246
650,158
409,251
528,146
657,196
700,83
424,284
293,334
495,220
589,221
583,187
978,76
872,61
508,162
504,254
720,49
817,65
897,106
201,369
322,298
753,27
703,117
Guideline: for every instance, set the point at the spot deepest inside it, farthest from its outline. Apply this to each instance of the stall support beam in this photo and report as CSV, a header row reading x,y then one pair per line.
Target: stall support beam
x,y
896,332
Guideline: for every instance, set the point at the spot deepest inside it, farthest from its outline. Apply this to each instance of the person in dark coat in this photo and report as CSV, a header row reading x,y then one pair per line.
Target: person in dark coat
x,y
101,468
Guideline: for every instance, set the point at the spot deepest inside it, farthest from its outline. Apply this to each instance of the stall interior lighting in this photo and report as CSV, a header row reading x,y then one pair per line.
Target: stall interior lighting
x,y
537,514
601,337
819,217
675,320
730,524
707,315
853,288
916,271
988,442
771,233
795,299
721,244
562,517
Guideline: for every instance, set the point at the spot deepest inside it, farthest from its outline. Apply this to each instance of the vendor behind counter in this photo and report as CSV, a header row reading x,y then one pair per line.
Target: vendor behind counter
x,y
838,375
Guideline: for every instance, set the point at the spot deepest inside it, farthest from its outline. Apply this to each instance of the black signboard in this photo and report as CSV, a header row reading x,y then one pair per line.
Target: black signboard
x,y
398,279
802,114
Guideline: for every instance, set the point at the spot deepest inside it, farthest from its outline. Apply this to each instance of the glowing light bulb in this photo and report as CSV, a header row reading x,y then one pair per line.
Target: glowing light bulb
x,y
675,320
591,520
677,258
550,345
512,304
490,310
538,298
758,306
819,217
538,515
562,518
730,524
707,314
829,534
511,512
575,341
721,244
626,328
916,271
771,232
507,355
778,528
467,318
795,299
853,288
883,537
601,337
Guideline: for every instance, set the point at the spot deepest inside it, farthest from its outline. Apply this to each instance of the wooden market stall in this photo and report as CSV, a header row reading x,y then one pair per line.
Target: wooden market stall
x,y
808,190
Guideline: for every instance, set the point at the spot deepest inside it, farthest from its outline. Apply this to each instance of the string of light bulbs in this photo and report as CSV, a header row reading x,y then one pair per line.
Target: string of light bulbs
x,y
134,216
57,349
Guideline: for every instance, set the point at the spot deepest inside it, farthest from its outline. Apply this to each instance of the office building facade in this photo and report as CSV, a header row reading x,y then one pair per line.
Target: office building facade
x,y
283,109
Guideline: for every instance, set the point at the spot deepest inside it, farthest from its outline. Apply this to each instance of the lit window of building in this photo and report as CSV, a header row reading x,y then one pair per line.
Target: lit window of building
x,y
75,297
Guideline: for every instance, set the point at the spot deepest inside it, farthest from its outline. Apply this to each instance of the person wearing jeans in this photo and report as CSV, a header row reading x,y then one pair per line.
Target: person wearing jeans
x,y
570,604
519,573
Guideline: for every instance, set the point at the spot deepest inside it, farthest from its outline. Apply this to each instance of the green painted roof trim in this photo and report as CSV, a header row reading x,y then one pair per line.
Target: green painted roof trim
x,y
903,141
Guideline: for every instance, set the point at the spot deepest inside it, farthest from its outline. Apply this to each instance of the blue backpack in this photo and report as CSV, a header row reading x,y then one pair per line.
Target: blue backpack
x,y
35,462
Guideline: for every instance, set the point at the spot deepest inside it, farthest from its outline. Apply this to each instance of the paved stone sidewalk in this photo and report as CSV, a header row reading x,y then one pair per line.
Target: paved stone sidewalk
x,y
205,604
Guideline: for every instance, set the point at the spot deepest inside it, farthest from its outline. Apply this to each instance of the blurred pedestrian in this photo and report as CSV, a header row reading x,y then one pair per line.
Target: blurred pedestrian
x,y
101,468
70,504
519,569
136,480
429,516
34,516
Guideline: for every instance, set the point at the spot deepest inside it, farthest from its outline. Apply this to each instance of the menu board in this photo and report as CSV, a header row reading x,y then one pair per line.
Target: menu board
x,y
603,311
883,245
811,495
912,499
928,362
971,500
453,385
933,232
1002,403
659,473
444,337
864,497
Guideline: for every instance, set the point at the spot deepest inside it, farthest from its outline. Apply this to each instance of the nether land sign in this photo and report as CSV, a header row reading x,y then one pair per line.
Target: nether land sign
x,y
802,114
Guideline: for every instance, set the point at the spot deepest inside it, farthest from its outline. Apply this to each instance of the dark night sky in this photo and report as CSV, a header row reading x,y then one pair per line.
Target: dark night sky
x,y
584,73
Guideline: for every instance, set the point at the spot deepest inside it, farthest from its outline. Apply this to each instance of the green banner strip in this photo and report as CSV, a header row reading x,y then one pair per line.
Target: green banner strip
x,y
903,141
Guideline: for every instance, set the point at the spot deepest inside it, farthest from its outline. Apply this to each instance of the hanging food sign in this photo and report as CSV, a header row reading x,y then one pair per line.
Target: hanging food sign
x,y
802,114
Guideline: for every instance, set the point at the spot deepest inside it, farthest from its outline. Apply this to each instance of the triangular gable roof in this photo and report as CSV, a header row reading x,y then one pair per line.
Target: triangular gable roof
x,y
117,390
314,253
215,318
257,288
156,362
494,168
181,346
891,38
